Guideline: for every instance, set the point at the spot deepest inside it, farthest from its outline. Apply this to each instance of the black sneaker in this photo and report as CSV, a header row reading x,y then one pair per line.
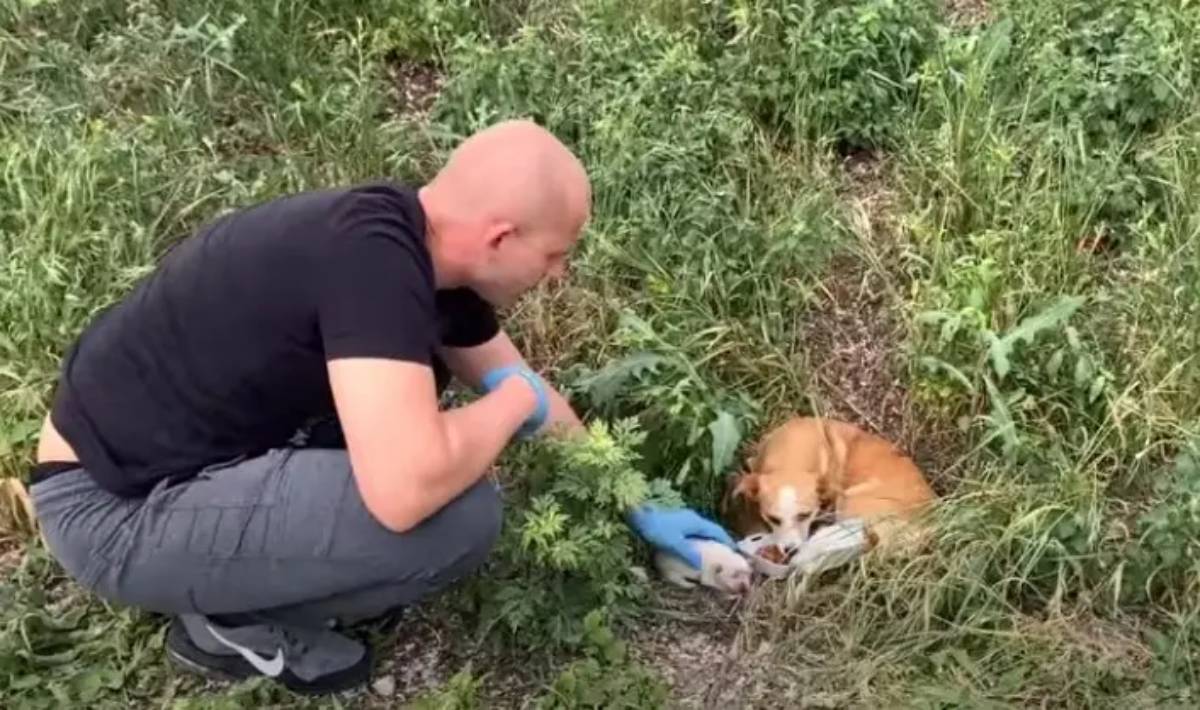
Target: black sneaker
x,y
309,661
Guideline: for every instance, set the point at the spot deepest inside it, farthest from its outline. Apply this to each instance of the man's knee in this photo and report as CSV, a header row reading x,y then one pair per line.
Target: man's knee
x,y
471,522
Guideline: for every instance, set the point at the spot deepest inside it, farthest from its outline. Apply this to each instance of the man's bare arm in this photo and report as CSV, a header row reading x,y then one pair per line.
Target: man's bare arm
x,y
409,458
471,364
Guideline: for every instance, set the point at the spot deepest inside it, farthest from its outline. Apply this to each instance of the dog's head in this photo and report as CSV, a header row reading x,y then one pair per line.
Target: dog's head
x,y
788,503
794,481
733,576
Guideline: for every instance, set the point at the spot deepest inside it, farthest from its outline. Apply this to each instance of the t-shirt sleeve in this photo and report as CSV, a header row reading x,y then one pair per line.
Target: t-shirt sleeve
x,y
469,320
376,299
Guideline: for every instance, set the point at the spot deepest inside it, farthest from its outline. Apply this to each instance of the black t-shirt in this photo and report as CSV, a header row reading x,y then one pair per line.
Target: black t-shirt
x,y
221,351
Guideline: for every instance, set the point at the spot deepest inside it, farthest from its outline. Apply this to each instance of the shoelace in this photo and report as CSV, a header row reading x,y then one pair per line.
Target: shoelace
x,y
293,642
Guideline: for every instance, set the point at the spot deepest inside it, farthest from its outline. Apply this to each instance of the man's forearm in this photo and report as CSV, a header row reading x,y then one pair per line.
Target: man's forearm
x,y
562,417
470,365
475,436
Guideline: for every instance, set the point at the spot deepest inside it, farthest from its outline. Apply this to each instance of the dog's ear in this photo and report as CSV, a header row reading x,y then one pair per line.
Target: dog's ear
x,y
747,486
872,539
841,453
832,457
826,494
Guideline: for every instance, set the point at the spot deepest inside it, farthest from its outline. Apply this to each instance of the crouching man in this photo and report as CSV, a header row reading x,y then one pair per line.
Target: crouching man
x,y
169,473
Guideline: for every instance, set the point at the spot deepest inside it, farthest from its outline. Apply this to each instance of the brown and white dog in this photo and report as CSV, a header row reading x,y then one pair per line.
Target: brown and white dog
x,y
811,470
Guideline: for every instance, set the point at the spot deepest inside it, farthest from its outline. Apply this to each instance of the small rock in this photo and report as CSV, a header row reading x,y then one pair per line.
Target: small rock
x,y
385,686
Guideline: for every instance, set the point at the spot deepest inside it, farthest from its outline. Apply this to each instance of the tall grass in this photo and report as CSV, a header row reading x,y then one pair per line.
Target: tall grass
x,y
126,127
1043,256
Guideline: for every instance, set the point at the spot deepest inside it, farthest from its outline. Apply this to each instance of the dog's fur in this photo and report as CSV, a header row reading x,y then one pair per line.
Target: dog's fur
x,y
721,568
809,470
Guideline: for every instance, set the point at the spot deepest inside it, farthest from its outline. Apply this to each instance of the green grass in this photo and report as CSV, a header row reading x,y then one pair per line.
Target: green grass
x,y
1041,256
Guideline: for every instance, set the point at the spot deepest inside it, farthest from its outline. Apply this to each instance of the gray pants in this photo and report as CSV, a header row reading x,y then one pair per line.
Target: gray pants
x,y
283,537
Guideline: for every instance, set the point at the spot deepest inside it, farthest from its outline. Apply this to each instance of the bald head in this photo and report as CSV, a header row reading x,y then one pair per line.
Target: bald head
x,y
507,206
515,171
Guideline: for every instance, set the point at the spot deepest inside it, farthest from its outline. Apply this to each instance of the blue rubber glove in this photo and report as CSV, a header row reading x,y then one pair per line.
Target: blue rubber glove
x,y
492,380
669,529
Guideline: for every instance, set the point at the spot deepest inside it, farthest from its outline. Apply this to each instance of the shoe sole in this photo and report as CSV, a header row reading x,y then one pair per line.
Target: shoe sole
x,y
187,664
186,654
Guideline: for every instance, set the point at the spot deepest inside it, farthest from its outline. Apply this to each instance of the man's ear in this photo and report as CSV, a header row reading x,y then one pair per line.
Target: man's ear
x,y
498,232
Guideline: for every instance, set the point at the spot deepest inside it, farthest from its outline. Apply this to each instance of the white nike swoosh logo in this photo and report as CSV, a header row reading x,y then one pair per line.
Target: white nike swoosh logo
x,y
272,667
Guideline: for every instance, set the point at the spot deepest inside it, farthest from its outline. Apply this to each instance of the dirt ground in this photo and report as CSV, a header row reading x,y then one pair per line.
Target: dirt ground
x,y
691,638
968,13
415,86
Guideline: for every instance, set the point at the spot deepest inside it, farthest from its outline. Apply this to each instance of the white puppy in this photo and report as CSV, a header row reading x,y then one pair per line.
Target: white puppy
x,y
721,568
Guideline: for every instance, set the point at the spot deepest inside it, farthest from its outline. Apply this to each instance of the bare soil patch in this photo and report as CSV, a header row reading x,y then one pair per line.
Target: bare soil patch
x,y
854,335
690,638
850,338
426,648
11,554
415,85
692,641
968,13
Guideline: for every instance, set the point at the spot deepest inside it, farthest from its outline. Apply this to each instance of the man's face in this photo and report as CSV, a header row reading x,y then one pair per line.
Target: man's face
x,y
517,262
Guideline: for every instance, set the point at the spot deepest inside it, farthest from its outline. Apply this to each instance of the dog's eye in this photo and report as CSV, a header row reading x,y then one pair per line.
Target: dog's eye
x,y
776,521
821,520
